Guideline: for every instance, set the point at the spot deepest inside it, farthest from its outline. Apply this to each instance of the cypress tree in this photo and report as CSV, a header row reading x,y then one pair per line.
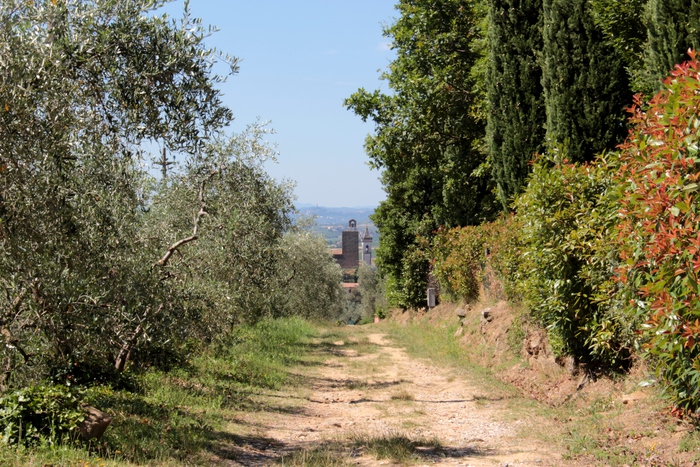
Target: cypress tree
x,y
673,27
516,115
585,84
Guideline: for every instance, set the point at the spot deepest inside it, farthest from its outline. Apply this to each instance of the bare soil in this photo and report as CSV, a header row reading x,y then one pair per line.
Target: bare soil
x,y
367,387
361,385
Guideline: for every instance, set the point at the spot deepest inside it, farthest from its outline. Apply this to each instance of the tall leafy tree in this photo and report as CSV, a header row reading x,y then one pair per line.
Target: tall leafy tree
x,y
516,115
623,23
585,83
673,27
429,135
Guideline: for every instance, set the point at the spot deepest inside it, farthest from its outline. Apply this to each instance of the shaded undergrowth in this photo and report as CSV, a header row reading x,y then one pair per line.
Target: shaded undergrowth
x,y
180,417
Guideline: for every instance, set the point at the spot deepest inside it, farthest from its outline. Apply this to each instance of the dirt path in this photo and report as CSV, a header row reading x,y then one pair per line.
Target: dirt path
x,y
366,388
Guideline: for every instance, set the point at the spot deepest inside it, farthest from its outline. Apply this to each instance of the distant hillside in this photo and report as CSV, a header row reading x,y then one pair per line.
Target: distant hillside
x,y
330,222
337,216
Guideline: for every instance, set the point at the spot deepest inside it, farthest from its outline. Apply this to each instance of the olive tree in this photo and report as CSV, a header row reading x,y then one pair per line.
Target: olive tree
x,y
371,288
222,256
100,263
83,84
308,281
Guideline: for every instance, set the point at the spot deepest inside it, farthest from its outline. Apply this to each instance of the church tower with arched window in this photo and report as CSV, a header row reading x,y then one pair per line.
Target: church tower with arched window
x,y
367,247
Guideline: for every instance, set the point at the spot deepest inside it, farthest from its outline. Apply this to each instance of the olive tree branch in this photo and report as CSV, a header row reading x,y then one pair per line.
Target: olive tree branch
x,y
201,213
130,343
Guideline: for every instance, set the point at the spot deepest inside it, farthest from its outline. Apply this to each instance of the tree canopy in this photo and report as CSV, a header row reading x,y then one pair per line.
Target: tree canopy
x,y
429,134
585,82
516,113
673,27
100,263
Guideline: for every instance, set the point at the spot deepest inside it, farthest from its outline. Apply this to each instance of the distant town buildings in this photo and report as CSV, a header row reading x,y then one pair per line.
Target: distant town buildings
x,y
348,257
349,286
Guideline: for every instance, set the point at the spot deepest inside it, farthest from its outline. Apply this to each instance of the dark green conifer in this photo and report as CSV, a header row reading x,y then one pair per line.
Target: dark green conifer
x,y
585,84
673,27
516,115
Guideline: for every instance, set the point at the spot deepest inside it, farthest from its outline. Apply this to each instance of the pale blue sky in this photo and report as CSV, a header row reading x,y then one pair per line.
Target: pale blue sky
x,y
300,60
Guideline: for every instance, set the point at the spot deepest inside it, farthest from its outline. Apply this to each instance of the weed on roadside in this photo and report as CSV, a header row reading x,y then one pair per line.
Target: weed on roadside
x,y
394,446
433,343
690,442
324,456
402,396
517,333
365,347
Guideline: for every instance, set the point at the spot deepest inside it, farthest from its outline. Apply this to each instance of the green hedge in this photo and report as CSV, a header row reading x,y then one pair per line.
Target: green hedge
x,y
568,213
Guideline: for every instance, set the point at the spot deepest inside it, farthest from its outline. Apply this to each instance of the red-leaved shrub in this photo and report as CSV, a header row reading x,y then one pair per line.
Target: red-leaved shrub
x,y
659,229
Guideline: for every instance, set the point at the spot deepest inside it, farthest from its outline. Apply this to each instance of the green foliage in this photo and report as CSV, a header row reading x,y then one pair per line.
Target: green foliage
x,y
174,418
247,261
429,133
398,234
259,355
516,114
395,446
585,84
673,27
568,213
652,36
504,247
178,416
82,85
372,289
472,259
38,414
458,261
101,266
414,273
517,332
658,230
623,24
307,281
324,456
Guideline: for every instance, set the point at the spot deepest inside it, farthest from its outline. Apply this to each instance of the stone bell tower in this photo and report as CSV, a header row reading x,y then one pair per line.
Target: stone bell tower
x,y
349,256
367,247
